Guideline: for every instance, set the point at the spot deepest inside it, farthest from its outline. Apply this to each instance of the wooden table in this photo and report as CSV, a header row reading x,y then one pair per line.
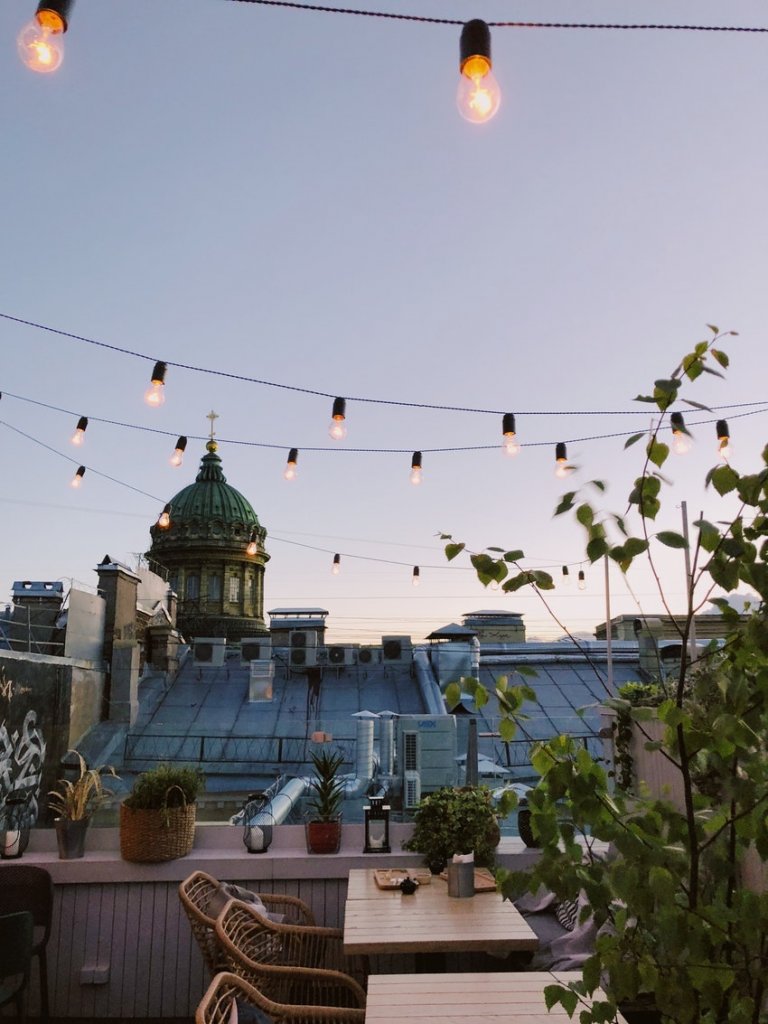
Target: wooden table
x,y
429,921
511,998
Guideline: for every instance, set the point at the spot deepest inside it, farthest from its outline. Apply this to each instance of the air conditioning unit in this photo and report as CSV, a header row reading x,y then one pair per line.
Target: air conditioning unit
x,y
411,790
369,656
410,748
303,638
427,744
255,649
396,649
209,651
303,657
340,656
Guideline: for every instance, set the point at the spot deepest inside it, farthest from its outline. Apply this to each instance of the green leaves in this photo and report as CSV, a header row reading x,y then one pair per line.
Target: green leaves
x,y
452,550
634,439
671,539
657,452
566,503
645,495
723,479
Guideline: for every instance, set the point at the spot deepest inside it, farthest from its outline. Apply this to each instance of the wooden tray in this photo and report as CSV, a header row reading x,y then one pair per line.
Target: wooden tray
x,y
484,880
390,878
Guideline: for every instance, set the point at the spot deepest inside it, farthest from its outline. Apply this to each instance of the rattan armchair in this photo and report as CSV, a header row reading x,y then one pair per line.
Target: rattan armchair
x,y
265,958
196,894
216,1006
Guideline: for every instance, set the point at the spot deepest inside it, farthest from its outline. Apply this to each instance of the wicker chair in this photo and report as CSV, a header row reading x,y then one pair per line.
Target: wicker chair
x,y
196,893
287,945
216,1006
269,960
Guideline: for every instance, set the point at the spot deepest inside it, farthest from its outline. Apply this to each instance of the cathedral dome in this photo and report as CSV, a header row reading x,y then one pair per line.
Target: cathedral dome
x,y
210,501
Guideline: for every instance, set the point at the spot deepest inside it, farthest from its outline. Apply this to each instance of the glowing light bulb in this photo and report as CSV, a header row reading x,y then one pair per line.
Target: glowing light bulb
x,y
336,566
416,468
510,445
252,545
582,580
40,43
79,435
479,96
164,519
155,393
290,472
562,469
337,430
566,577
77,479
724,448
178,452
494,584
681,439
416,577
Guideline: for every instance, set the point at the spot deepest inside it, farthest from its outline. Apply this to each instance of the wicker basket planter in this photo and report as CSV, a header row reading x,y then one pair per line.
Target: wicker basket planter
x,y
151,836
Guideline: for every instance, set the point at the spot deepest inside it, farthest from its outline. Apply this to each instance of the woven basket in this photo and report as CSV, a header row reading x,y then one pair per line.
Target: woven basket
x,y
150,836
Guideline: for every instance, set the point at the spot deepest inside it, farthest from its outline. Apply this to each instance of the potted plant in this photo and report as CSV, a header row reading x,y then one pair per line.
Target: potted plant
x,y
157,820
74,803
455,820
681,911
323,825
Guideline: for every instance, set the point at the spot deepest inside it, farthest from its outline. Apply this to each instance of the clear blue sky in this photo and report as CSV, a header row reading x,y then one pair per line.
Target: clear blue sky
x,y
293,196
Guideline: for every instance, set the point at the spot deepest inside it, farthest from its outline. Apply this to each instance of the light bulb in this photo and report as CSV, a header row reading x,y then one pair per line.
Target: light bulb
x,y
336,566
416,468
337,429
510,443
415,578
164,519
566,576
290,472
79,435
178,453
252,545
155,393
77,479
681,442
40,43
724,448
478,96
582,580
562,469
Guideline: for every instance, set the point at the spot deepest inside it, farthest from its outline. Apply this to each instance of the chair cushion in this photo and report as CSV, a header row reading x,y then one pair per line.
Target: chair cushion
x,y
226,891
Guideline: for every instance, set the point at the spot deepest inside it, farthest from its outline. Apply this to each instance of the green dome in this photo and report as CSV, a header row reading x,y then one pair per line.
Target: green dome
x,y
211,499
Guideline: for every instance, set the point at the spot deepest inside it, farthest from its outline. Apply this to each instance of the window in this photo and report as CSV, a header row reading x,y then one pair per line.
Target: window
x,y
214,587
248,588
193,587
234,588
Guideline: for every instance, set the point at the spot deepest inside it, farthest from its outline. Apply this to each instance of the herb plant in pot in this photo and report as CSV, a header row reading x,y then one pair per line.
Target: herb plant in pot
x,y
157,820
323,825
455,820
74,802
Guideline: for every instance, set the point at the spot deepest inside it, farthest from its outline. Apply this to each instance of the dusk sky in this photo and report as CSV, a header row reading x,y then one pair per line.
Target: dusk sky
x,y
292,196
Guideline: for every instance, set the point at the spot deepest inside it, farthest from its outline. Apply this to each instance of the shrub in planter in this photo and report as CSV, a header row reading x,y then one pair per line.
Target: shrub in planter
x,y
157,821
455,820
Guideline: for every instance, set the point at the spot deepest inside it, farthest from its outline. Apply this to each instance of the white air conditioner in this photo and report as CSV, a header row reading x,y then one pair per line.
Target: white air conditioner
x,y
303,638
303,657
427,743
255,648
339,656
209,651
396,649
411,790
369,656
410,751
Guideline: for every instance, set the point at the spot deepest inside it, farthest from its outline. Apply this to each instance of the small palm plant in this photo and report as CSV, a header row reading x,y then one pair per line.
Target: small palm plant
x,y
79,800
323,826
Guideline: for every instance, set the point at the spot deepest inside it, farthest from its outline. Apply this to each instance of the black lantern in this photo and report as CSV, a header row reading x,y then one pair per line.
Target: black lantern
x,y
377,826
258,824
14,825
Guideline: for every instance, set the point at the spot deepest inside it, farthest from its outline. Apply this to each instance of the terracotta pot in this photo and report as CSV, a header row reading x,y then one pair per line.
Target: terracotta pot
x,y
323,836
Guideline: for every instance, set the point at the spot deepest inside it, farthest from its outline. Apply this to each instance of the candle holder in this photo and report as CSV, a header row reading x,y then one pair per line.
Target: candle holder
x,y
377,826
258,824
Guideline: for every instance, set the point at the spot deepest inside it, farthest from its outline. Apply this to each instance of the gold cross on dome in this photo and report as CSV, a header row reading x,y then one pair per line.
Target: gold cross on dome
x,y
212,416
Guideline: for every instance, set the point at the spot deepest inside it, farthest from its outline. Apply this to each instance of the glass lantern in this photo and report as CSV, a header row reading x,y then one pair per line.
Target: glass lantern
x,y
377,826
258,824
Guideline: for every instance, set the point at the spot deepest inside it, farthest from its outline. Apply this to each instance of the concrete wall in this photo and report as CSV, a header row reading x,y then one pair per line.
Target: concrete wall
x,y
85,626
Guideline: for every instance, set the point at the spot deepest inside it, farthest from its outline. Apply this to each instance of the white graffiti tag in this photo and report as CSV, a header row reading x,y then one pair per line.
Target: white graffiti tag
x,y
22,755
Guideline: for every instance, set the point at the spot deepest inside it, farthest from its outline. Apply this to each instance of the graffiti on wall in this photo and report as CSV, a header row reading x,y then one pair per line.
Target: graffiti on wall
x,y
22,754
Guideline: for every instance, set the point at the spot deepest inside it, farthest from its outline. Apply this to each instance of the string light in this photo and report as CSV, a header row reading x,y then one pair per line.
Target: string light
x,y
336,566
290,470
681,439
416,468
40,43
164,519
77,479
178,452
253,546
478,96
582,580
562,468
511,446
416,576
337,430
79,435
724,440
155,393
566,576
